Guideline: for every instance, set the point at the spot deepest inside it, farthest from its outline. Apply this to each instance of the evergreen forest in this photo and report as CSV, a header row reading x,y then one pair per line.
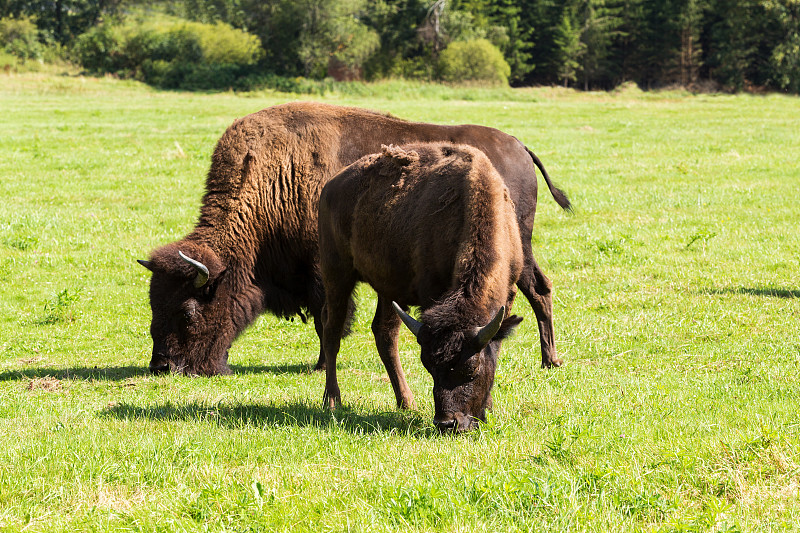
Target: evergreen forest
x,y
704,45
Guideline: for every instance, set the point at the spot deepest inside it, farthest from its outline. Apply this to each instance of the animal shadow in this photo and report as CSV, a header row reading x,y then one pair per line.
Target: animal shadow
x,y
120,373
297,368
264,416
757,291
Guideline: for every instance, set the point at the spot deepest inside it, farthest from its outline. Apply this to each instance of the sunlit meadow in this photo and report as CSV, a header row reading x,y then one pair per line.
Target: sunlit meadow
x,y
677,311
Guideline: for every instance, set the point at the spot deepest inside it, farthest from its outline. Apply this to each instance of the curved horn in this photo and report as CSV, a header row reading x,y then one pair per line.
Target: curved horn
x,y
147,264
202,270
487,332
407,319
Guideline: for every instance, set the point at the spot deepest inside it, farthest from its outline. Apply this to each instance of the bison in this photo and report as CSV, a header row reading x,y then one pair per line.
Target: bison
x,y
430,225
254,247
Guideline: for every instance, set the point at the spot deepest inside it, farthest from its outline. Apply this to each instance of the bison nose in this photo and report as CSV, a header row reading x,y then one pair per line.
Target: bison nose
x,y
159,368
159,364
456,422
445,425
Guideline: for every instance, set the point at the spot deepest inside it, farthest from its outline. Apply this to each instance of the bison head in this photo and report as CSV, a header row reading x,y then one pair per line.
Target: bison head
x,y
191,327
462,363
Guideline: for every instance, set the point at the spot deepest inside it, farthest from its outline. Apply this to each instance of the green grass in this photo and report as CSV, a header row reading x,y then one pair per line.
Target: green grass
x,y
677,312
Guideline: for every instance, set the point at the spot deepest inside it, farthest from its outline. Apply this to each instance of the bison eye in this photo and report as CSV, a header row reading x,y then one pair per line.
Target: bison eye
x,y
469,366
188,310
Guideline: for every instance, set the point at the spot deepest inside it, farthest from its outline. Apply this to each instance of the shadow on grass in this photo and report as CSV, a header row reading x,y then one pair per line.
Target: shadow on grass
x,y
291,414
299,368
120,373
758,291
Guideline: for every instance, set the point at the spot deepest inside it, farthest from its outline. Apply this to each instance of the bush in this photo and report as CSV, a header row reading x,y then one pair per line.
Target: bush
x,y
225,45
20,37
476,60
99,49
8,62
184,55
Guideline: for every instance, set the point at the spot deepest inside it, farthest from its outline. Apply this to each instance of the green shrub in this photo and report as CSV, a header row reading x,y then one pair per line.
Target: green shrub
x,y
172,55
99,49
225,45
180,44
413,68
8,62
20,37
166,45
141,46
476,60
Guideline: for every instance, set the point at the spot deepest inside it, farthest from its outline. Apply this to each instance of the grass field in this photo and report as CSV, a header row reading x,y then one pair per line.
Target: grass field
x,y
677,308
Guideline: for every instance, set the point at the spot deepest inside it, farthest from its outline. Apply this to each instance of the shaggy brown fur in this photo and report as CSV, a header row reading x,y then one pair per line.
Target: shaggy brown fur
x,y
257,231
430,225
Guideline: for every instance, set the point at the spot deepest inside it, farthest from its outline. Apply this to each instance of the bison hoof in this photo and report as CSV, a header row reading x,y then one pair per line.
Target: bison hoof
x,y
408,404
319,366
332,401
552,363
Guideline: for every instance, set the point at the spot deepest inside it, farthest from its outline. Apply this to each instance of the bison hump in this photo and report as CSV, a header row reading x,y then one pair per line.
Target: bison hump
x,y
398,156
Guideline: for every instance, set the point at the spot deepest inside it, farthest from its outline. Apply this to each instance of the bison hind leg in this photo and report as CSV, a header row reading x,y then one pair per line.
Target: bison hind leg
x,y
538,289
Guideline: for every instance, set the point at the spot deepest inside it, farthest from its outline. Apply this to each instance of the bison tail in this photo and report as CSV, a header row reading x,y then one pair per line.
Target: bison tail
x,y
559,195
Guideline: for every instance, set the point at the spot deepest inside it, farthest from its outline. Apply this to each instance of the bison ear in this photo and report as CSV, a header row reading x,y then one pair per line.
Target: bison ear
x,y
147,264
487,332
507,327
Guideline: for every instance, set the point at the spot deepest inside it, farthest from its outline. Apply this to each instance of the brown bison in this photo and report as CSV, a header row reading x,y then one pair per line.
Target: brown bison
x,y
430,225
254,248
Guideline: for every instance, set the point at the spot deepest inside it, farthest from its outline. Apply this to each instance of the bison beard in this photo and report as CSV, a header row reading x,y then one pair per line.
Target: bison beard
x,y
257,231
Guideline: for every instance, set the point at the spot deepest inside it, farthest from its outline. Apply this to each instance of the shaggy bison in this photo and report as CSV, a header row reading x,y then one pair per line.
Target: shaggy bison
x,y
430,225
254,247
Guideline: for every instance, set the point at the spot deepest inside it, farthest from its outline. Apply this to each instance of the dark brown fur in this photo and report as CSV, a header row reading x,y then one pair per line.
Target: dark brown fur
x,y
258,226
430,225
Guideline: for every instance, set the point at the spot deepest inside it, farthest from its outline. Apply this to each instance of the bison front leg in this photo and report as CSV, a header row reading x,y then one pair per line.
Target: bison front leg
x,y
319,326
539,292
386,328
335,314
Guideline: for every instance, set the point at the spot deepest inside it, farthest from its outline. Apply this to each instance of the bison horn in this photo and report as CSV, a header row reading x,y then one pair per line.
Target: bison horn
x,y
147,264
407,319
487,332
202,270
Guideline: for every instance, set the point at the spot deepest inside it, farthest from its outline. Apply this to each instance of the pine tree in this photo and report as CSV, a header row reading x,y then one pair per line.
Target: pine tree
x,y
569,46
690,24
734,42
517,51
545,19
600,22
784,43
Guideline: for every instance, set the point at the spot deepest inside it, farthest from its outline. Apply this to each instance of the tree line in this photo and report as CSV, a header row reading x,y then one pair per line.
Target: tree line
x,y
586,44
